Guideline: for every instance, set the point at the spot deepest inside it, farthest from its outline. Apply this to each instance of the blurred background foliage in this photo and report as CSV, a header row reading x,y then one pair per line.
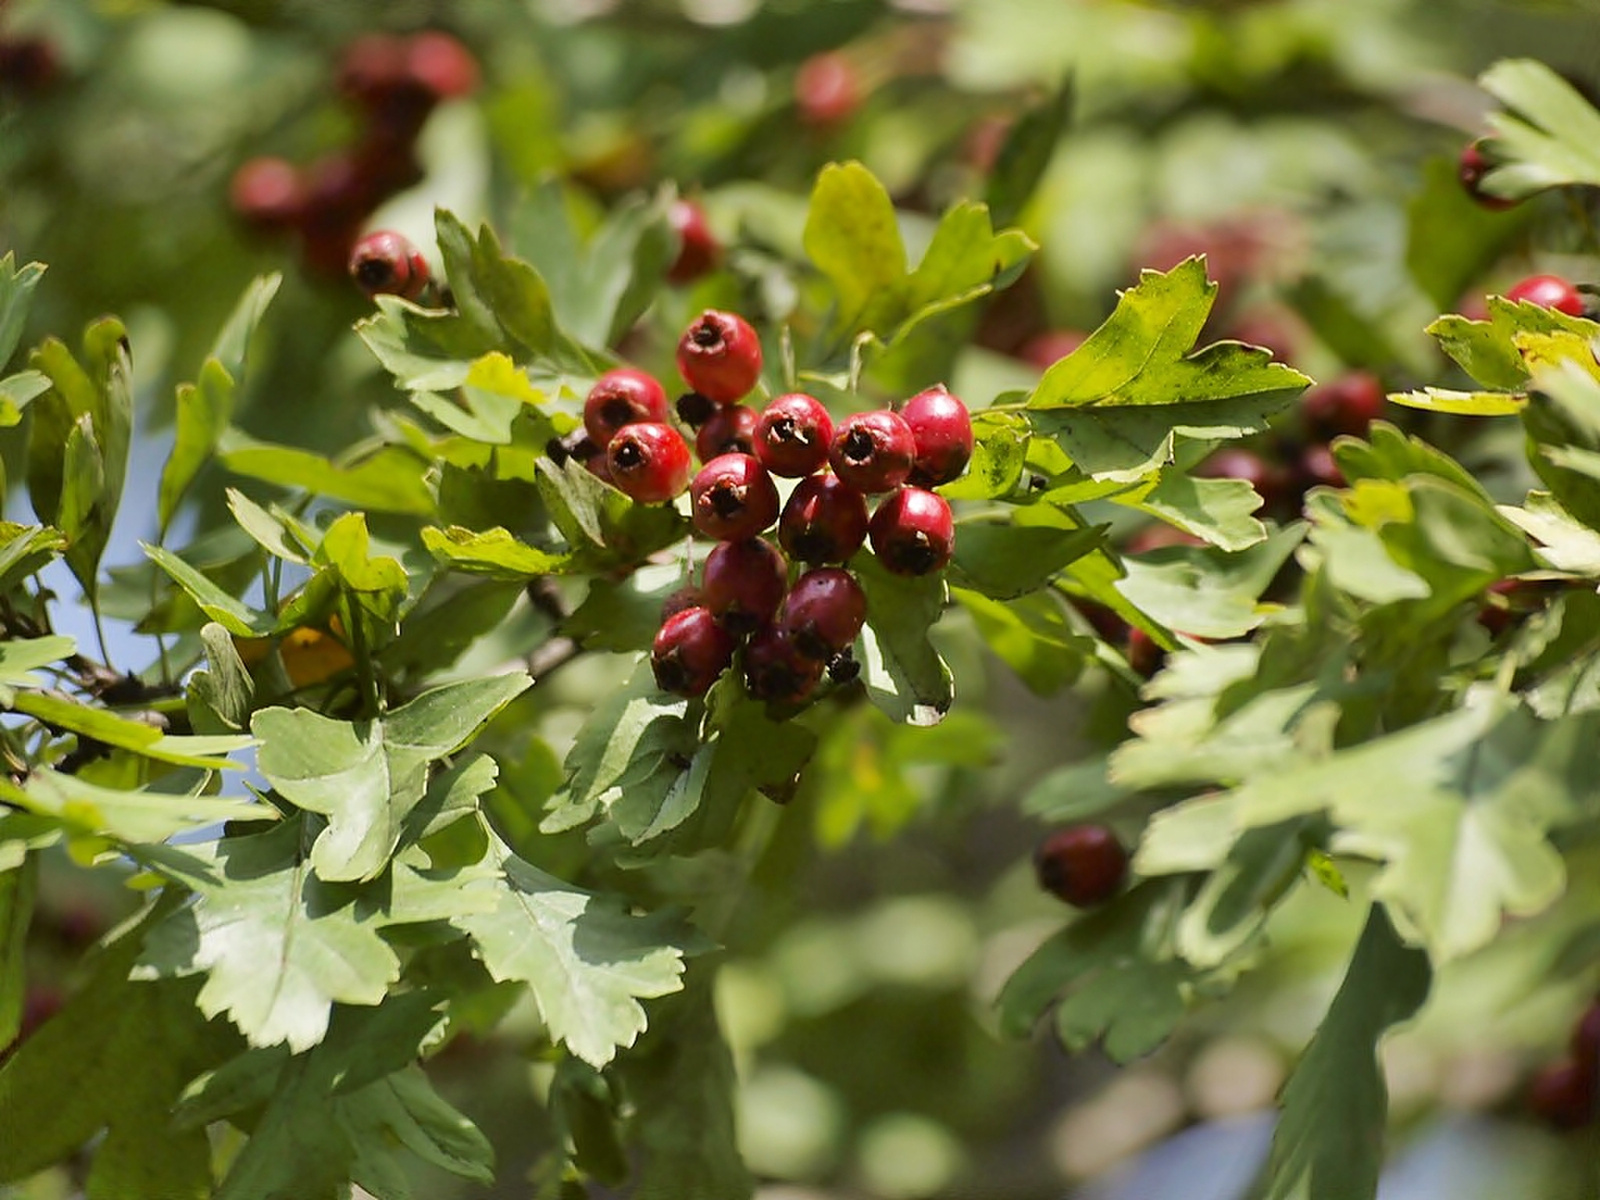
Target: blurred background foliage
x,y
1307,146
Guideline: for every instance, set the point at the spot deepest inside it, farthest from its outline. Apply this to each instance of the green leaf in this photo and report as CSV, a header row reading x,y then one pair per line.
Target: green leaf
x,y
622,615
1329,1141
1031,635
965,261
503,299
388,480
1489,351
448,622
1207,592
204,409
135,817
1462,404
1073,793
604,528
1007,559
1000,447
1563,424
853,237
495,553
1548,130
220,698
1217,510
17,391
1452,241
1563,543
903,673
16,299
233,341
232,614
275,531
26,550
1025,154
18,887
19,658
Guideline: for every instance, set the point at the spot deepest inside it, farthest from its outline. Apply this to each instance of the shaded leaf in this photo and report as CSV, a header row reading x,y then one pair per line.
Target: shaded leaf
x,y
903,673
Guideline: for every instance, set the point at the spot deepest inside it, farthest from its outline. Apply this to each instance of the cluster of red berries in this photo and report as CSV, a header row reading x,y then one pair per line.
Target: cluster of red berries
x,y
1564,1092
791,632
1083,865
393,82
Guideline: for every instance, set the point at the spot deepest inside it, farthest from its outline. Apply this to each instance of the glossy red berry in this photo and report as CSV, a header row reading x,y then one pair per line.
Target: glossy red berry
x,y
1082,864
827,90
775,670
823,521
269,193
1563,1094
372,68
1234,462
823,613
793,435
1549,291
913,532
440,64
688,596
873,451
743,584
1586,1039
1145,655
623,396
1318,468
28,65
698,248
733,498
731,429
1473,165
719,356
649,462
689,652
941,430
384,262
1347,404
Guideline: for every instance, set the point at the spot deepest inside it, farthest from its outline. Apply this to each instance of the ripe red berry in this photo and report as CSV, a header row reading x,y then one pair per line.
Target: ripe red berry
x,y
269,193
1082,864
1044,350
719,356
823,613
698,248
913,532
1145,656
873,451
683,598
1549,291
1563,1094
823,521
386,262
729,430
1318,467
733,498
743,584
941,430
793,435
689,652
372,67
827,90
1473,165
1586,1039
1235,462
1347,404
28,65
774,668
623,396
441,64
649,462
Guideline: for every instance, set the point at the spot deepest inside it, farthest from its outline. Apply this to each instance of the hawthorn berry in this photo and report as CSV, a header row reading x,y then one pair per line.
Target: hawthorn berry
x,y
698,248
827,90
1317,467
913,532
1472,166
1082,864
648,461
941,430
792,436
1144,655
689,652
688,596
823,612
873,451
28,65
1348,404
1586,1039
1235,462
386,262
1563,1094
729,430
774,668
823,521
440,64
372,68
623,396
1044,350
743,584
719,356
733,498
269,193
1549,291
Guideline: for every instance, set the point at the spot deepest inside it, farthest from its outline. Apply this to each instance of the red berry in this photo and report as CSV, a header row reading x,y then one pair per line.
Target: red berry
x,y
793,434
720,356
269,193
1317,466
873,451
649,462
1586,1039
1549,291
1144,655
683,598
623,396
1474,164
731,429
1082,864
733,498
386,262
1347,404
1563,1094
913,532
698,248
941,430
690,651
774,668
1046,349
1235,462
597,466
28,65
827,90
441,64
824,520
823,612
372,67
743,584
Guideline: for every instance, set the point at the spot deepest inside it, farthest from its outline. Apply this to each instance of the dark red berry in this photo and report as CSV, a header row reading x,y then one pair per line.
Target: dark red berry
x,y
1549,291
827,90
1563,1094
372,68
743,584
597,466
649,462
1317,467
823,612
823,521
1586,1040
688,596
690,651
873,451
1347,404
1159,536
1474,164
698,248
774,668
387,263
1107,625
793,435
269,193
913,532
1145,656
441,64
730,430
28,65
719,356
941,430
1235,462
694,410
623,396
1082,864
733,498
1046,349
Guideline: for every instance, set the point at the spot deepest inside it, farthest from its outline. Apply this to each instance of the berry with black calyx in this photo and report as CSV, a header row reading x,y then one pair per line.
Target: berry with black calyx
x,y
620,397
719,356
842,667
733,498
268,193
775,670
873,451
1563,1095
793,435
386,263
688,596
689,652
823,612
698,248
1084,865
941,430
731,430
694,410
1347,404
1472,166
913,532
649,462
827,90
743,584
1549,291
1144,653
1271,481
824,520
